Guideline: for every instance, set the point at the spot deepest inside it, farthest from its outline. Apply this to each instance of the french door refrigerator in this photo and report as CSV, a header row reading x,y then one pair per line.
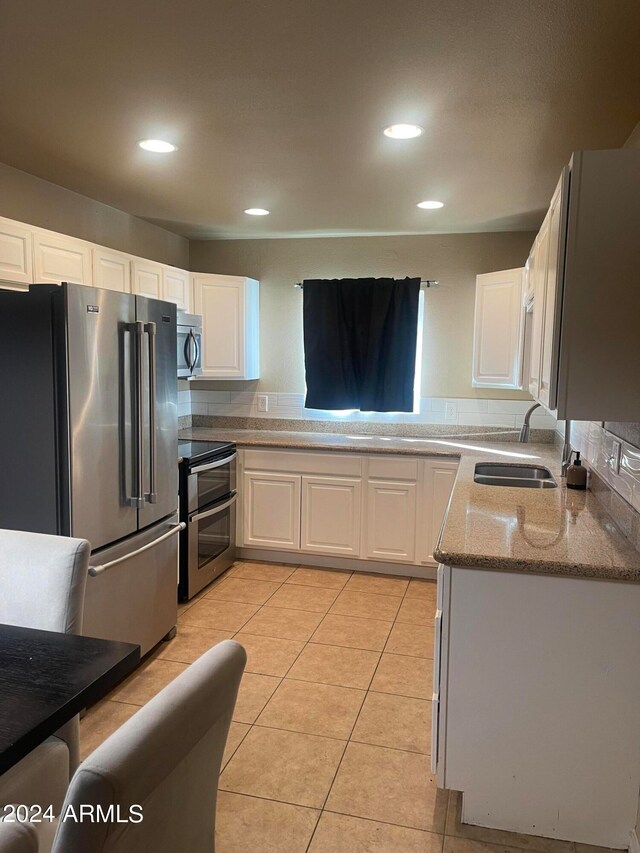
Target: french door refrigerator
x,y
88,443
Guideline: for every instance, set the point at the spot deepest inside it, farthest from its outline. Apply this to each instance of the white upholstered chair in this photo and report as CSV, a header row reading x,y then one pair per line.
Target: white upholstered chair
x,y
42,583
165,759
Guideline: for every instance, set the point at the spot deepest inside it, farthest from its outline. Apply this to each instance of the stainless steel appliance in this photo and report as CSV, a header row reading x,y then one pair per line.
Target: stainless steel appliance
x,y
207,508
189,345
88,439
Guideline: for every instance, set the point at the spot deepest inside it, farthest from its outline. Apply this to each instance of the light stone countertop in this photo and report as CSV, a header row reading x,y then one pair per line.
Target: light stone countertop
x,y
544,531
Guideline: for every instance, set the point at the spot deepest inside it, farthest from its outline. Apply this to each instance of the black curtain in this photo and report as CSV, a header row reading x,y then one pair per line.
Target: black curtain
x,y
360,343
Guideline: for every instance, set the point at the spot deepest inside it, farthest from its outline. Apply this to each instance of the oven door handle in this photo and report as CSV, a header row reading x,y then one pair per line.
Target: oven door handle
x,y
211,465
215,510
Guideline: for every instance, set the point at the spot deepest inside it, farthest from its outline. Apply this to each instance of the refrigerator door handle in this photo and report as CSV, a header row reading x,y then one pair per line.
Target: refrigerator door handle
x,y
137,497
94,571
152,495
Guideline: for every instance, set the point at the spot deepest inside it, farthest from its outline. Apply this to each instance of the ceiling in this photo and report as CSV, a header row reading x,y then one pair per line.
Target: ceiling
x,y
281,103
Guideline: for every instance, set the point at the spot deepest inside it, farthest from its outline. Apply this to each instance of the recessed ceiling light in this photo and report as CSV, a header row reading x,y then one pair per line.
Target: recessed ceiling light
x,y
430,205
158,146
257,211
403,131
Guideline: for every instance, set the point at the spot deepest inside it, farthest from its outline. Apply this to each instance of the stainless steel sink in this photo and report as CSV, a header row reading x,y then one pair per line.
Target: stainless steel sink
x,y
515,476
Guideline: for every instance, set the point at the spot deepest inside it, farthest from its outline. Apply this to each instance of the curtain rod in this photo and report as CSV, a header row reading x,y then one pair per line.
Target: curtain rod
x,y
424,282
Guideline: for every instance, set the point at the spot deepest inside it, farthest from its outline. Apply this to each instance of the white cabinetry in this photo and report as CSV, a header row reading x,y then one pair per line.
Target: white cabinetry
x,y
436,484
111,270
176,287
146,278
331,515
498,344
391,521
356,506
58,258
271,510
16,261
540,752
230,307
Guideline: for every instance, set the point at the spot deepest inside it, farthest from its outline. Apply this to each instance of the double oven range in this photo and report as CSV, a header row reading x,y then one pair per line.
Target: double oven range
x,y
207,506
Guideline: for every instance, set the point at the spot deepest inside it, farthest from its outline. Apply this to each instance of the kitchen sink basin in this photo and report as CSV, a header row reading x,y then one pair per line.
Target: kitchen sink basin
x,y
515,476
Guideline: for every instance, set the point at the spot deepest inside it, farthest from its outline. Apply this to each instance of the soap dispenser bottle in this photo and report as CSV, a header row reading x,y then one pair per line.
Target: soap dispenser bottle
x,y
577,474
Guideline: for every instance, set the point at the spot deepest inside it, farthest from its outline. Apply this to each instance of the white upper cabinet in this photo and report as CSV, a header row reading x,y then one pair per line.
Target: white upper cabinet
x,y
230,309
176,287
58,258
111,270
498,345
550,342
16,252
146,278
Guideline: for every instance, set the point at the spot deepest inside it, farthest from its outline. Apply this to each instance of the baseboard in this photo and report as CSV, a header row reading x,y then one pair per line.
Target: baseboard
x,y
634,841
324,561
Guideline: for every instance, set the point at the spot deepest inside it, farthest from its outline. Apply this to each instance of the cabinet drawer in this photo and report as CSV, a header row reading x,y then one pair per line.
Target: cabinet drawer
x,y
336,464
393,468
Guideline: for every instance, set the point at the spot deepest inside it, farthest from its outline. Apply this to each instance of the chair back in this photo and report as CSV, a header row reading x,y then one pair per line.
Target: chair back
x,y
42,580
162,764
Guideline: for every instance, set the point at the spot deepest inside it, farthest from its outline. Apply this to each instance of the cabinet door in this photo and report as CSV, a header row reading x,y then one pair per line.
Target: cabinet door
x,y
58,258
111,270
539,258
391,521
176,287
498,342
230,325
331,515
271,510
553,295
146,279
16,261
438,477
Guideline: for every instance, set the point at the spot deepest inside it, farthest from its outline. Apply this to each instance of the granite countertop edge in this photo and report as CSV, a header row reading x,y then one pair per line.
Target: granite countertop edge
x,y
464,493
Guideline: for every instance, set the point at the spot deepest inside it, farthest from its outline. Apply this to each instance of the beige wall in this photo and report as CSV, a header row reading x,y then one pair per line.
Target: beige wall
x,y
36,202
453,259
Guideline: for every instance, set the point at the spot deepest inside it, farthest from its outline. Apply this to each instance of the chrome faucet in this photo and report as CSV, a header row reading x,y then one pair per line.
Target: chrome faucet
x,y
526,429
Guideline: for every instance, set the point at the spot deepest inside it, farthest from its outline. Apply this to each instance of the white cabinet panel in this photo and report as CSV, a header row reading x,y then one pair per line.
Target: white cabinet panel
x,y
111,270
146,279
16,252
176,287
391,521
499,330
271,510
230,325
437,482
58,258
331,515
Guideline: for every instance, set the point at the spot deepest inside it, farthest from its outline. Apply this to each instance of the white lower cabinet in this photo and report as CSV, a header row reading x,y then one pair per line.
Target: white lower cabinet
x,y
357,506
271,510
331,515
438,477
391,521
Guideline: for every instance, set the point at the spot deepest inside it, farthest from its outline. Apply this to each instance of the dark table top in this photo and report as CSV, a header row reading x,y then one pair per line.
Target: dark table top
x,y
46,678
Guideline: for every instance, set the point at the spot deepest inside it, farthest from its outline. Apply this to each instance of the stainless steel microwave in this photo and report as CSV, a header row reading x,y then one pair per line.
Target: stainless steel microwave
x,y
189,345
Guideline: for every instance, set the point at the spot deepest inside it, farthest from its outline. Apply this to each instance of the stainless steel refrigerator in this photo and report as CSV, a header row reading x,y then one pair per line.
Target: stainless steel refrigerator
x,y
88,437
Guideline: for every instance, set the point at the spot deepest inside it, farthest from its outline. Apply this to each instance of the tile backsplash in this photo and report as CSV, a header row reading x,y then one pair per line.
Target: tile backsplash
x,y
290,406
618,468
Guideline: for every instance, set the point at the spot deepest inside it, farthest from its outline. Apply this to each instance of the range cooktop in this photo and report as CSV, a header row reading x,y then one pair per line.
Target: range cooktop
x,y
197,451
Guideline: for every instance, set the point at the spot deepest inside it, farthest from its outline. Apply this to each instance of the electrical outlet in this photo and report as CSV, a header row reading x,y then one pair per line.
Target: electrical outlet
x,y
450,411
614,459
263,403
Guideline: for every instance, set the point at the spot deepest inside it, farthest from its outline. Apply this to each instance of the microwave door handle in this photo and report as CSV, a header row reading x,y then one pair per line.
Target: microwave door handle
x,y
186,352
196,356
150,329
215,511
192,351
211,465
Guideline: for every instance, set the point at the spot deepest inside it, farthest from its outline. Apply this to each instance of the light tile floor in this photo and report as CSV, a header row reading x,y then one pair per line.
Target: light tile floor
x,y
329,746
